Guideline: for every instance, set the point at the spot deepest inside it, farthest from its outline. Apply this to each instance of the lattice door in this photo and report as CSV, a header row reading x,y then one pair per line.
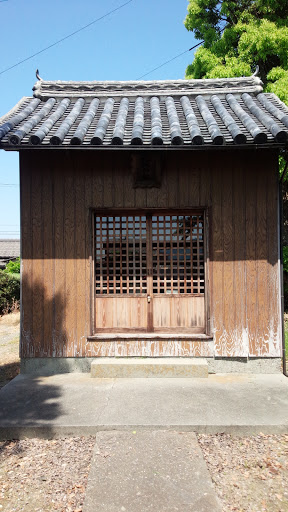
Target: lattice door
x,y
149,272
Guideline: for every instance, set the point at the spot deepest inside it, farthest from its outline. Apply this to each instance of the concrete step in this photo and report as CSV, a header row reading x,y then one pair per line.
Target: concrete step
x,y
136,367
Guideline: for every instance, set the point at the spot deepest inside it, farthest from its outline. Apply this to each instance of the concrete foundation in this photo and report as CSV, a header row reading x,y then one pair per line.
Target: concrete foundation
x,y
52,366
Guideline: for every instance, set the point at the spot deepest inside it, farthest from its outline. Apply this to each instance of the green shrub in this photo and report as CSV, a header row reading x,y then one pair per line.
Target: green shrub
x,y
13,267
9,291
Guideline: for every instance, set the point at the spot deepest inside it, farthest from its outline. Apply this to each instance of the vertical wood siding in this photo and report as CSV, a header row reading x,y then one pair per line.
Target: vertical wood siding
x,y
239,191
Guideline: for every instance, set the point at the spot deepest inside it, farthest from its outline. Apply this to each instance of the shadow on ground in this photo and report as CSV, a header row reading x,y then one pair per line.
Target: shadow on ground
x,y
8,372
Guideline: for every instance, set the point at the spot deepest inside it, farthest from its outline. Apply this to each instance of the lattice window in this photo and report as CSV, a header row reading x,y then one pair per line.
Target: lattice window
x,y
120,262
169,248
178,254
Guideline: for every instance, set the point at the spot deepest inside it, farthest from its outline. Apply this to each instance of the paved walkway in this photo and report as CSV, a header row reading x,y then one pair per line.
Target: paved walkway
x,y
159,471
76,404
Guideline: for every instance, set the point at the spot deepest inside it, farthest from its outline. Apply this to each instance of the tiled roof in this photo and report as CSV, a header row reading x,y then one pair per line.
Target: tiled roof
x,y
9,248
190,113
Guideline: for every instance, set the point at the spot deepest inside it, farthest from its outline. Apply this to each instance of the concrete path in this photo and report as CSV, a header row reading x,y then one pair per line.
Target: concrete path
x,y
149,471
76,404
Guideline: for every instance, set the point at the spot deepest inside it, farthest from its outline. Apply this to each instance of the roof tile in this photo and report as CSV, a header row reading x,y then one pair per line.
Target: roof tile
x,y
181,112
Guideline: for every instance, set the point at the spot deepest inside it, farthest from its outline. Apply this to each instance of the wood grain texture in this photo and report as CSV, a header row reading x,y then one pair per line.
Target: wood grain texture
x,y
56,203
240,283
38,260
26,335
217,257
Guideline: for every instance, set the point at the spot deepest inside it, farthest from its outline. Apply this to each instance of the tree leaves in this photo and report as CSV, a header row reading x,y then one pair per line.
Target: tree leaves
x,y
238,36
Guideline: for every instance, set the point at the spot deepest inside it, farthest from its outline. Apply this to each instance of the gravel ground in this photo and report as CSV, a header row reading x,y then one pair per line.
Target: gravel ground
x,y
37,475
9,347
249,473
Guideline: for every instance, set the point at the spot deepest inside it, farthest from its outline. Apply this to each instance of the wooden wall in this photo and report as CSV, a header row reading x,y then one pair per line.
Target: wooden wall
x,y
238,188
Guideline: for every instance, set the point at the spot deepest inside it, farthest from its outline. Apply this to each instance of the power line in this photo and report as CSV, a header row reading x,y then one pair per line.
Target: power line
x,y
170,60
176,57
66,37
9,185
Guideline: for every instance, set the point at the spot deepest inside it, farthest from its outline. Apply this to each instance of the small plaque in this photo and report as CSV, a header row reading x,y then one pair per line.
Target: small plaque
x,y
146,170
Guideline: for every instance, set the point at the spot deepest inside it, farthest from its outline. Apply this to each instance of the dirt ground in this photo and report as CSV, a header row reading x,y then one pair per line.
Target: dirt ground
x,y
9,347
250,474
37,475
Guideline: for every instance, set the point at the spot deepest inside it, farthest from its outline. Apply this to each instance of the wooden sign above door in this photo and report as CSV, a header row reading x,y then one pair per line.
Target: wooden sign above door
x,y
146,170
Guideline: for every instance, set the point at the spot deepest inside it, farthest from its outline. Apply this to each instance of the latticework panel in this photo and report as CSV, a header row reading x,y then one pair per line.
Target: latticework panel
x,y
178,254
120,255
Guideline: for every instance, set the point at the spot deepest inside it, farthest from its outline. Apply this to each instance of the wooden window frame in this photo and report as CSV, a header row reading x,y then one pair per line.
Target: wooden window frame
x,y
151,211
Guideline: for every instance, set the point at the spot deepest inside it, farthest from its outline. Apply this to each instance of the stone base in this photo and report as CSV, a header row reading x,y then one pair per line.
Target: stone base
x,y
52,366
135,367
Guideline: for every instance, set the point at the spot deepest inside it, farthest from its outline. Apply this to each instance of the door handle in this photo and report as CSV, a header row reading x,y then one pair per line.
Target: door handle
x,y
148,299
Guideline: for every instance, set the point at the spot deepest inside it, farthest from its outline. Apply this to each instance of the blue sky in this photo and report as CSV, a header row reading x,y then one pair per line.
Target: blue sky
x,y
123,46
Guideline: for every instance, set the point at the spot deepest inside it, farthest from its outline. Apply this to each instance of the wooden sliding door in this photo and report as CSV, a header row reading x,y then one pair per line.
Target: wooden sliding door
x,y
149,273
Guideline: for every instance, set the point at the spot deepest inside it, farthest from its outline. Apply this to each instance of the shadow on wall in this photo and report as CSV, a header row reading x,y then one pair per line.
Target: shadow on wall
x,y
43,329
29,400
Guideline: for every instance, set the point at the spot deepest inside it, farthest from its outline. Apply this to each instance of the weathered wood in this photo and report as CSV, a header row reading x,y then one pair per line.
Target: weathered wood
x,y
207,181
26,335
217,257
251,260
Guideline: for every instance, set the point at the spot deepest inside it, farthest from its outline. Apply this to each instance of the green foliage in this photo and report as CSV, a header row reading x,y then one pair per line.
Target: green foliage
x,y
238,36
9,290
285,258
13,267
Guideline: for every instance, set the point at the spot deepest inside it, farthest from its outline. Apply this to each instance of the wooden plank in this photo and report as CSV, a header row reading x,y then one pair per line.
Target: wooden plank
x,y
163,190
229,343
172,182
239,227
70,267
59,336
79,268
217,255
108,187
26,336
89,256
261,346
121,312
181,312
48,260
251,264
184,192
274,325
152,348
37,266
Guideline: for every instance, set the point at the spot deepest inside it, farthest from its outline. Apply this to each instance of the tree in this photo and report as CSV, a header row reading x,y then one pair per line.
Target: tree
x,y
239,35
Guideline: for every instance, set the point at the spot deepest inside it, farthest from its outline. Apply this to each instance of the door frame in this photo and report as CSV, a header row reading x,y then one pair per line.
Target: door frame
x,y
93,212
